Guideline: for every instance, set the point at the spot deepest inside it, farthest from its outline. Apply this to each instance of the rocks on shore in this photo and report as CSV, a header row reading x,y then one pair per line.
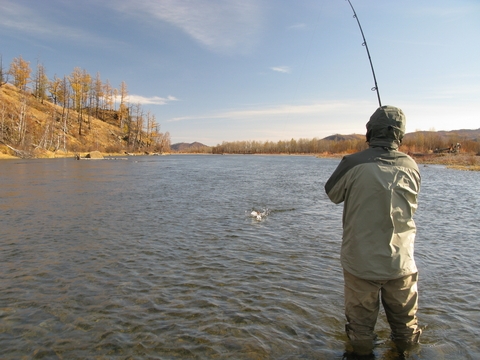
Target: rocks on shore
x,y
94,155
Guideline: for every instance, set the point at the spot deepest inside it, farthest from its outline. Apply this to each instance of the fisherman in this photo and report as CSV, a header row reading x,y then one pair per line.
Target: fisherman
x,y
379,187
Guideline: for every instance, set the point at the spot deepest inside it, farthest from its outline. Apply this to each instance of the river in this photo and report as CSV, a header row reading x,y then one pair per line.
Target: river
x,y
159,258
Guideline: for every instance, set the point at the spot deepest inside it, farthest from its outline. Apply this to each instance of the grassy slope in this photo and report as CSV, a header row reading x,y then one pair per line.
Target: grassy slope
x,y
100,136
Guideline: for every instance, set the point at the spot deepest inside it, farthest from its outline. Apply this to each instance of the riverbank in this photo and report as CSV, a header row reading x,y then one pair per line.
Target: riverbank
x,y
44,154
469,162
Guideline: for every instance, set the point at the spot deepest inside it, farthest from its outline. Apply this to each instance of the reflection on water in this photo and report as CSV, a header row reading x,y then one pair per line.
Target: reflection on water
x,y
160,258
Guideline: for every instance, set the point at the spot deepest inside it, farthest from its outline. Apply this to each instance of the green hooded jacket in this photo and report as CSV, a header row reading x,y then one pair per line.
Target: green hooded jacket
x,y
379,187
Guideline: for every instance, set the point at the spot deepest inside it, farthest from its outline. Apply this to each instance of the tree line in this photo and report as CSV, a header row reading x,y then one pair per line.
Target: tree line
x,y
419,142
83,95
293,146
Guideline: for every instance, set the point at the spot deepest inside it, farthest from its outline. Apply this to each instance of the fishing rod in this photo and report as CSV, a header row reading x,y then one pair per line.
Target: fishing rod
x,y
375,88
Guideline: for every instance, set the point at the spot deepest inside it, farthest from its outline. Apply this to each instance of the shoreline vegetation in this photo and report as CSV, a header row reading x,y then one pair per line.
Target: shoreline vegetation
x,y
451,161
78,114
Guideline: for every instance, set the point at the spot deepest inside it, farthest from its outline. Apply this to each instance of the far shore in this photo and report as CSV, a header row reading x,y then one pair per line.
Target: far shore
x,y
460,161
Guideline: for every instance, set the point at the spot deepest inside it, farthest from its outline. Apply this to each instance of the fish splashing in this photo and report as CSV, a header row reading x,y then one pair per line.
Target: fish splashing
x,y
259,214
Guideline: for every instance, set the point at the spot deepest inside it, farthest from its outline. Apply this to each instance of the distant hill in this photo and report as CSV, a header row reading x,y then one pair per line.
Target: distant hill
x,y
185,146
340,137
462,134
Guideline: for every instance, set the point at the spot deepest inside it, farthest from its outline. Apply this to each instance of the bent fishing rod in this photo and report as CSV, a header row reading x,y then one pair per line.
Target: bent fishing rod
x,y
375,88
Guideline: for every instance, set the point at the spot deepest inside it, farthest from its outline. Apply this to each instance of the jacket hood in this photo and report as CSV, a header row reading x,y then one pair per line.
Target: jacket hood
x,y
386,127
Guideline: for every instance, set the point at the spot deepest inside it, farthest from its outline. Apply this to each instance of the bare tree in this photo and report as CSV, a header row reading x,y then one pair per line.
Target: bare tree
x,y
123,109
3,73
22,120
98,93
3,117
151,124
40,82
64,95
136,126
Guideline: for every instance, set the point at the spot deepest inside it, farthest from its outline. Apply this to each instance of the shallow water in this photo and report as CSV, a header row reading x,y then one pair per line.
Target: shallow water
x,y
158,257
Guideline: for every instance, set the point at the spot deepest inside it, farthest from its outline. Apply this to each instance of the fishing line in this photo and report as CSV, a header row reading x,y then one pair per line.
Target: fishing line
x,y
375,88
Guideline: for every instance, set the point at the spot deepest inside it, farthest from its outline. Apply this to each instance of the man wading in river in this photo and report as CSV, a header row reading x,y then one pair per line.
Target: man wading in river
x,y
379,188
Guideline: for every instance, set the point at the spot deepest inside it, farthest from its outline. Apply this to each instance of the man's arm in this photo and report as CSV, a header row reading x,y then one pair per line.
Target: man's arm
x,y
335,185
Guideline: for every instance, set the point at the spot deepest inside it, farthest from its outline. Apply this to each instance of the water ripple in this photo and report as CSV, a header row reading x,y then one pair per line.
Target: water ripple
x,y
159,259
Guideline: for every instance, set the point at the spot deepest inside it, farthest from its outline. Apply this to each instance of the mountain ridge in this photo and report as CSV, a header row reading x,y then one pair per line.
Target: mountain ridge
x,y
187,146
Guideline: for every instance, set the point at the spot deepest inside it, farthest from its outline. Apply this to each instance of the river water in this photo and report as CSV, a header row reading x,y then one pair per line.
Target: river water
x,y
159,258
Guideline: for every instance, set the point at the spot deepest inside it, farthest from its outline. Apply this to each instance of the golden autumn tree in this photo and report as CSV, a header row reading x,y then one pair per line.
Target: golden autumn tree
x,y
75,80
80,82
107,95
151,125
20,71
87,86
55,88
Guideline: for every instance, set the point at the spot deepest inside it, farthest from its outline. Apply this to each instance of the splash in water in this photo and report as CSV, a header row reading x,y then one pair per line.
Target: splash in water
x,y
259,214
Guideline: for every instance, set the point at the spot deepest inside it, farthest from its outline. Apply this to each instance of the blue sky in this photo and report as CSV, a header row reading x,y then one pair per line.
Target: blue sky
x,y
228,70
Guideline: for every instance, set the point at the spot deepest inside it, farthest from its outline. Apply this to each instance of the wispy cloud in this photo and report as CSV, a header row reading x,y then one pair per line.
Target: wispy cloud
x,y
221,25
452,12
282,69
154,100
25,20
297,26
320,109
284,121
